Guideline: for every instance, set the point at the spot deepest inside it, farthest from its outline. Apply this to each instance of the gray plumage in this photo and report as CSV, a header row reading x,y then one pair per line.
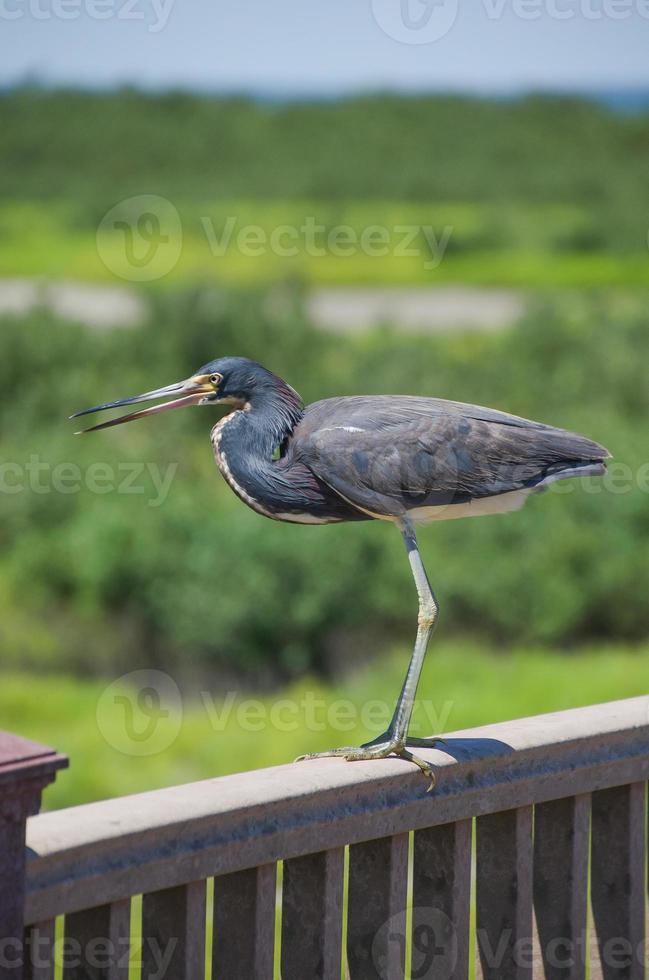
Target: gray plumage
x,y
399,458
390,455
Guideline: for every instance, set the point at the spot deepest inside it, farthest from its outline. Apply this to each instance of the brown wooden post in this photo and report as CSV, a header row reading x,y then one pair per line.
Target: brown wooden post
x,y
561,846
504,895
441,901
244,924
618,829
25,769
376,918
312,915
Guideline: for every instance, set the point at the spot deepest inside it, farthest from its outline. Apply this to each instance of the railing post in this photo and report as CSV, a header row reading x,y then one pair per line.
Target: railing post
x,y
25,769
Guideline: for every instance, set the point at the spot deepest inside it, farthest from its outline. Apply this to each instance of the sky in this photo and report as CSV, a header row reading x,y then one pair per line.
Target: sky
x,y
302,48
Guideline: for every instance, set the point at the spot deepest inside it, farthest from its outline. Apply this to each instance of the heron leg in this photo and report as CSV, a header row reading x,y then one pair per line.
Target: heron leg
x,y
395,740
426,622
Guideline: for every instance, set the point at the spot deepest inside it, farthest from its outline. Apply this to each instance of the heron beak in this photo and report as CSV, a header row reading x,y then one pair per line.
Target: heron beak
x,y
191,392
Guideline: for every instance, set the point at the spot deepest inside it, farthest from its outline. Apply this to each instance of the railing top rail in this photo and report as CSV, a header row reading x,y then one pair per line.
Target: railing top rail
x,y
110,850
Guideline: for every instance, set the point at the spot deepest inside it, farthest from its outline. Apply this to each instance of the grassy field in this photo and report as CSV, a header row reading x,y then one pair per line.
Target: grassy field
x,y
245,242
216,732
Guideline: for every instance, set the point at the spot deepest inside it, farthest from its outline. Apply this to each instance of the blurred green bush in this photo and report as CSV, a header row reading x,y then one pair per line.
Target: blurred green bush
x,y
192,580
536,191
405,148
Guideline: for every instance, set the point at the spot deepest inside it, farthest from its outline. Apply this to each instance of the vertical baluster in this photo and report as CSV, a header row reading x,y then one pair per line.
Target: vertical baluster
x,y
173,933
97,943
376,921
561,844
244,924
312,915
39,951
504,895
618,882
441,896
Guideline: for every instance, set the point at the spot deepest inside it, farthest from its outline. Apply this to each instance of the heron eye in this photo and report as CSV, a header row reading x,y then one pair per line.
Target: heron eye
x,y
215,378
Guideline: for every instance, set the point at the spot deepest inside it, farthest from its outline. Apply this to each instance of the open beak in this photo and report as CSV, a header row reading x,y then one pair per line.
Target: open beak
x,y
191,392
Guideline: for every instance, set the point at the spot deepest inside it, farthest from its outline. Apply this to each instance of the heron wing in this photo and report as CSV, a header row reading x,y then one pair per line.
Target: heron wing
x,y
392,454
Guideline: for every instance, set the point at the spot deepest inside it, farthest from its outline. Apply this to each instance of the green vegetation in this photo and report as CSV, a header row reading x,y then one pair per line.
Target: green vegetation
x,y
219,733
124,550
170,570
542,149
422,244
534,192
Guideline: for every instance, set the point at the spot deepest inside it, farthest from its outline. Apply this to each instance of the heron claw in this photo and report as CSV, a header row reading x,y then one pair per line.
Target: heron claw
x,y
376,750
426,768
332,753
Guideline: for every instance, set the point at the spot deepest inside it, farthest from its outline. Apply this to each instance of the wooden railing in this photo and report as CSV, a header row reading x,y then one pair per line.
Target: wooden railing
x,y
377,877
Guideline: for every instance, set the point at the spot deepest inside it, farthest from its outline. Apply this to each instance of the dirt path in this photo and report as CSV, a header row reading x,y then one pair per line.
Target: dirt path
x,y
426,309
342,309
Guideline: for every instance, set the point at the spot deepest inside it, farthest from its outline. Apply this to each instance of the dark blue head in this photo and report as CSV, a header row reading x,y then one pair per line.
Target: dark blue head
x,y
233,381
239,381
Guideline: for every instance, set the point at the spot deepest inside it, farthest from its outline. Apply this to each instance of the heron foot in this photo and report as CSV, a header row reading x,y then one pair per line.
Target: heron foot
x,y
376,750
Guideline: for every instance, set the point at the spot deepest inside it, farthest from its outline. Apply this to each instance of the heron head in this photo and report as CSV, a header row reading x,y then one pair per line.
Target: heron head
x,y
226,381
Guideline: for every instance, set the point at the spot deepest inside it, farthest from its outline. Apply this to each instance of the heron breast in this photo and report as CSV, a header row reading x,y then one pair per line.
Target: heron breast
x,y
244,495
224,467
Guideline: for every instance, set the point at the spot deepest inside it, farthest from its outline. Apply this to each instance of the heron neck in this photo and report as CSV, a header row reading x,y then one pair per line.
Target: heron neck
x,y
267,420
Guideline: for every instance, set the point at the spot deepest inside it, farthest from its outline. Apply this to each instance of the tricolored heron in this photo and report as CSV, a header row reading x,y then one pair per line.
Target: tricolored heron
x,y
395,458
